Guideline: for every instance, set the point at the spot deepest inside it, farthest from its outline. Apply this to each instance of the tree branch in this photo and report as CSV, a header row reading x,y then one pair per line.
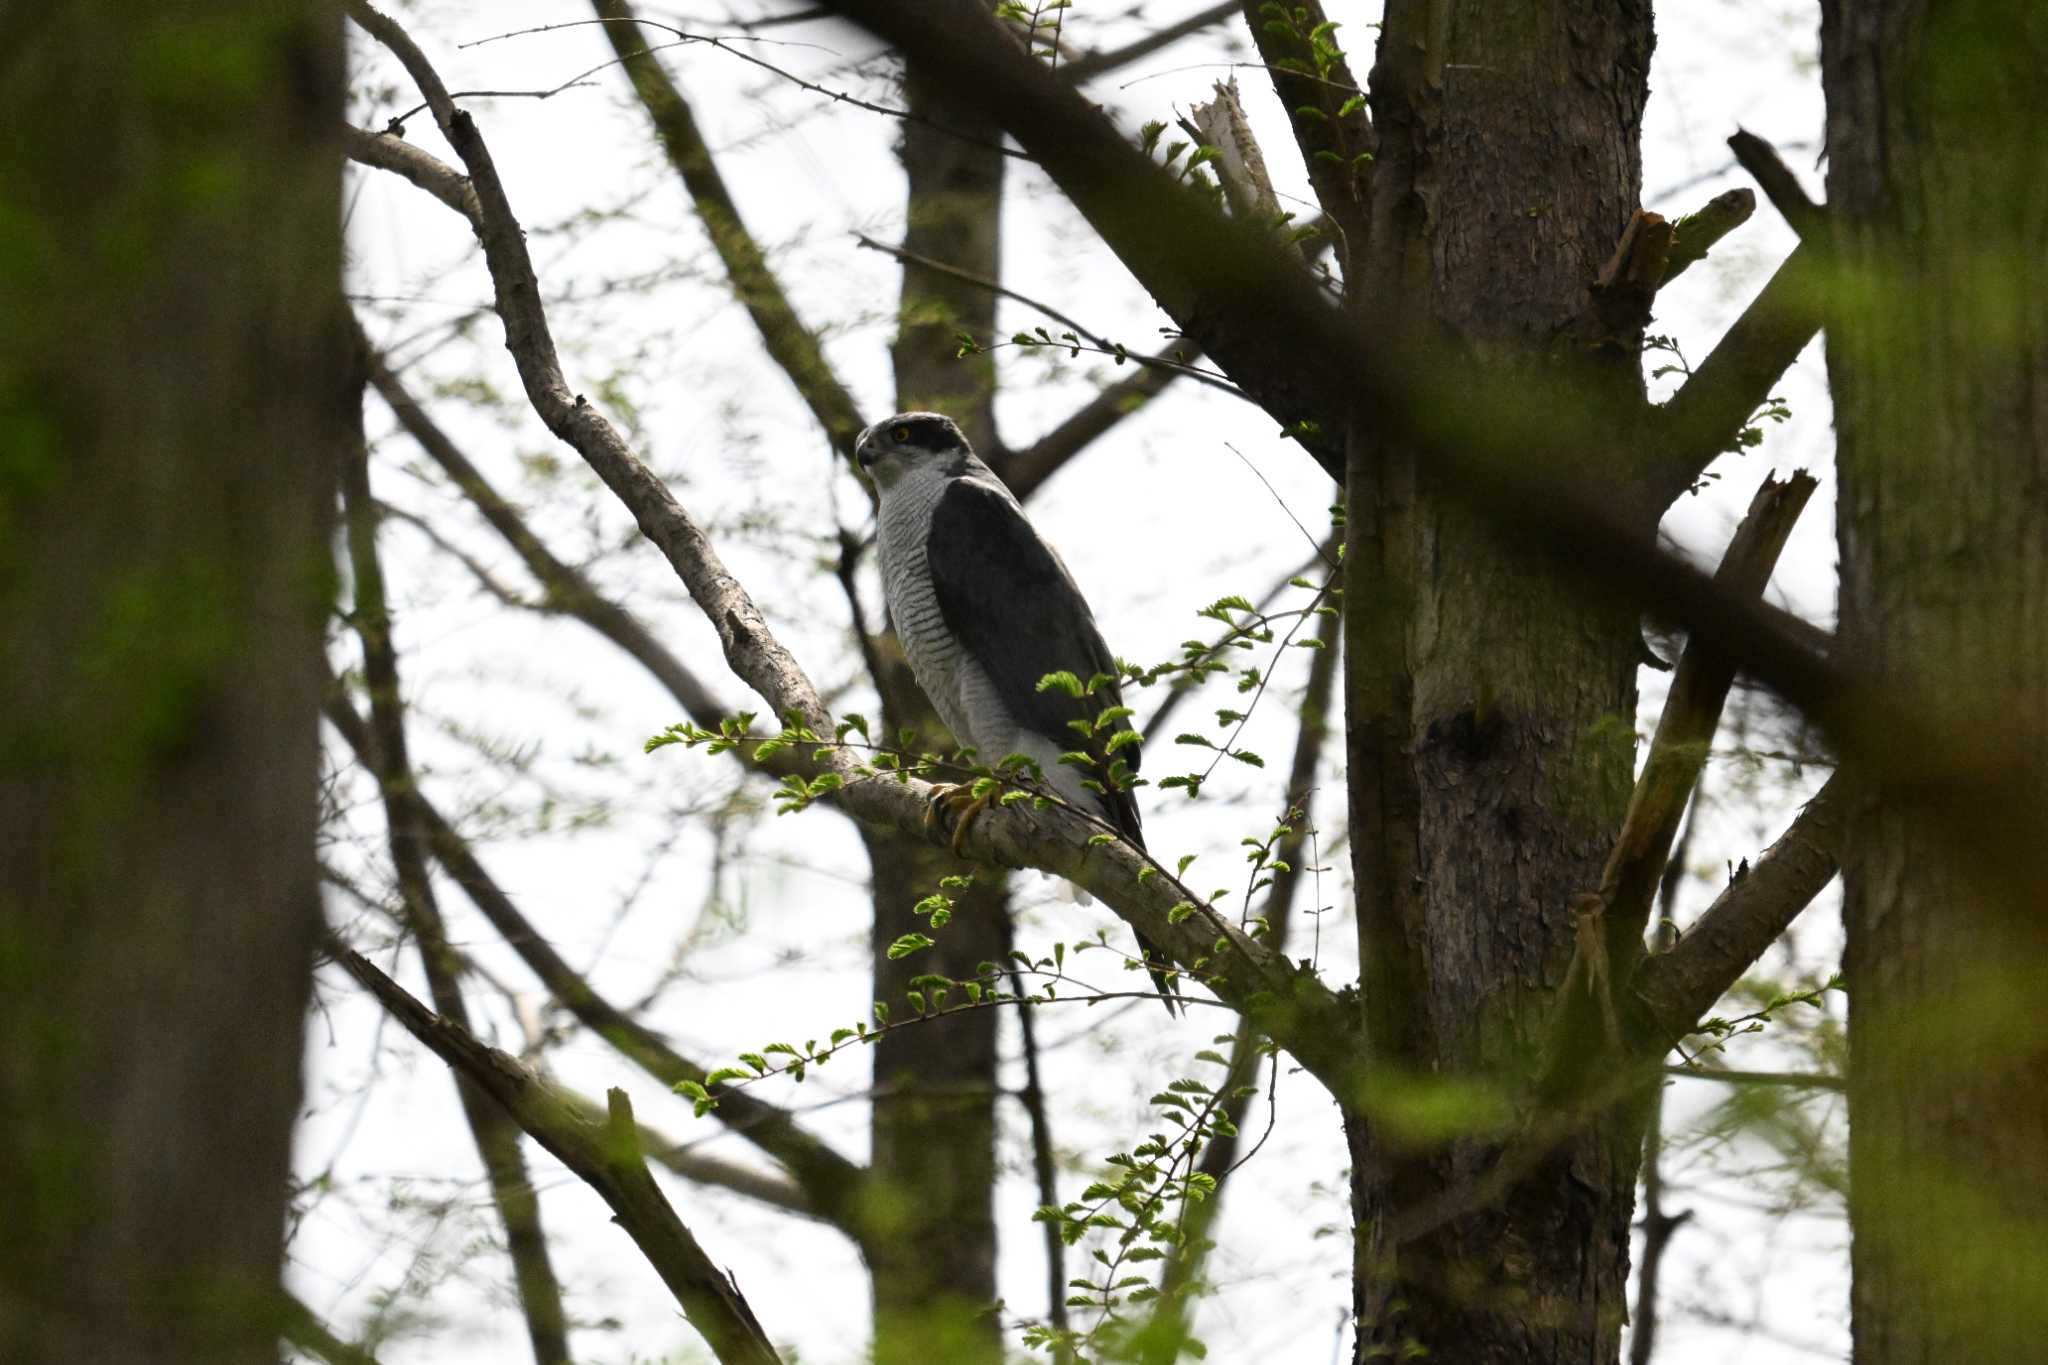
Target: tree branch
x,y
1026,470
1672,991
607,1159
302,1327
1703,418
1089,65
1796,1080
1043,1170
568,589
1285,1002
792,345
750,649
388,151
1685,730
1095,339
496,1138
762,1186
1335,134
1166,1332
1780,186
831,1181
1694,235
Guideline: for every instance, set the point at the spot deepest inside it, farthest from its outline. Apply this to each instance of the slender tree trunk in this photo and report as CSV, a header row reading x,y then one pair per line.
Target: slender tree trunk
x,y
1938,356
932,1240
1490,703
172,400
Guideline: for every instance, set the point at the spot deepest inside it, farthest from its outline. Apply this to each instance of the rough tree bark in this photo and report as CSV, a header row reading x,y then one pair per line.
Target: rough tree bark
x,y
1938,357
171,406
932,1239
1490,700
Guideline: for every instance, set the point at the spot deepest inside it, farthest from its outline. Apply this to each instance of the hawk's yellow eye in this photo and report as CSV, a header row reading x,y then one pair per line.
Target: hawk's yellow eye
x,y
900,435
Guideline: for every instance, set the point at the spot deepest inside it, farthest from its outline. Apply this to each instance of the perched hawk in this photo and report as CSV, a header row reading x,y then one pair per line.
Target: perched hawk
x,y
985,610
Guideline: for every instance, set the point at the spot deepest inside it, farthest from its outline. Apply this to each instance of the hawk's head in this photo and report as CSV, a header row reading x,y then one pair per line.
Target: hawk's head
x,y
912,444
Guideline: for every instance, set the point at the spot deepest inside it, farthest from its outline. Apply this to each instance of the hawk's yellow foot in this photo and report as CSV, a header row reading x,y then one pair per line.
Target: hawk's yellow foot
x,y
954,807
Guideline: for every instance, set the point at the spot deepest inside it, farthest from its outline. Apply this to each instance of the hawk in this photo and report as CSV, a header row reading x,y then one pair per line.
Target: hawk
x,y
985,610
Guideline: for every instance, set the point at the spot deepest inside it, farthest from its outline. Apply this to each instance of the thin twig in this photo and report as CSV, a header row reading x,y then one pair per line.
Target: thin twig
x,y
1101,343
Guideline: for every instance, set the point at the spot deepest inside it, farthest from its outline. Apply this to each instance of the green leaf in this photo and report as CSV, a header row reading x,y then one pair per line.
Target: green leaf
x,y
908,944
1063,680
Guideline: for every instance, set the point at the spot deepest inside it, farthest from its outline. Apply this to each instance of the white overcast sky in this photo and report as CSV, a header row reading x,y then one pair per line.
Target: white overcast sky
x,y
783,954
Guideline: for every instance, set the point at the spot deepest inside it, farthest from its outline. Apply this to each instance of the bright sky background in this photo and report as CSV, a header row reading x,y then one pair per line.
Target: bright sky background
x,y
776,939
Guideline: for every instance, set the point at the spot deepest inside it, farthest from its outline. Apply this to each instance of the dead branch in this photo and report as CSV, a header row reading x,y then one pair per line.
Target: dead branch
x,y
1240,165
1331,125
607,1159
793,346
1694,235
1780,186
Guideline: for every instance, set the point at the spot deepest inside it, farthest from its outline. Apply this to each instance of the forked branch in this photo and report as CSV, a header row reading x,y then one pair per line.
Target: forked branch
x,y
608,1159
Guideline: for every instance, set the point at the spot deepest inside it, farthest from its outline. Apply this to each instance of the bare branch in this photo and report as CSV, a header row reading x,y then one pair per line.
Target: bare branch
x,y
832,1182
390,152
1685,730
792,345
1091,64
1175,365
1780,186
1026,470
568,590
750,649
1672,991
1694,235
762,1186
496,1138
1703,418
1043,1170
607,1159
1240,165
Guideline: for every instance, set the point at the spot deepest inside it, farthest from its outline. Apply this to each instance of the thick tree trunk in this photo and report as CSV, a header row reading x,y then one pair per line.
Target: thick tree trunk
x,y
1490,703
1938,356
171,402
931,1239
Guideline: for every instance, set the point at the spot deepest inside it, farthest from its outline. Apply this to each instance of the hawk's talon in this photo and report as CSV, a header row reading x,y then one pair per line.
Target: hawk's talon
x,y
953,807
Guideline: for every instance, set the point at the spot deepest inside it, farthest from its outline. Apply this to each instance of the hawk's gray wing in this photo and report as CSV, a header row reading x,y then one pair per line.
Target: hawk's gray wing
x,y
1008,600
